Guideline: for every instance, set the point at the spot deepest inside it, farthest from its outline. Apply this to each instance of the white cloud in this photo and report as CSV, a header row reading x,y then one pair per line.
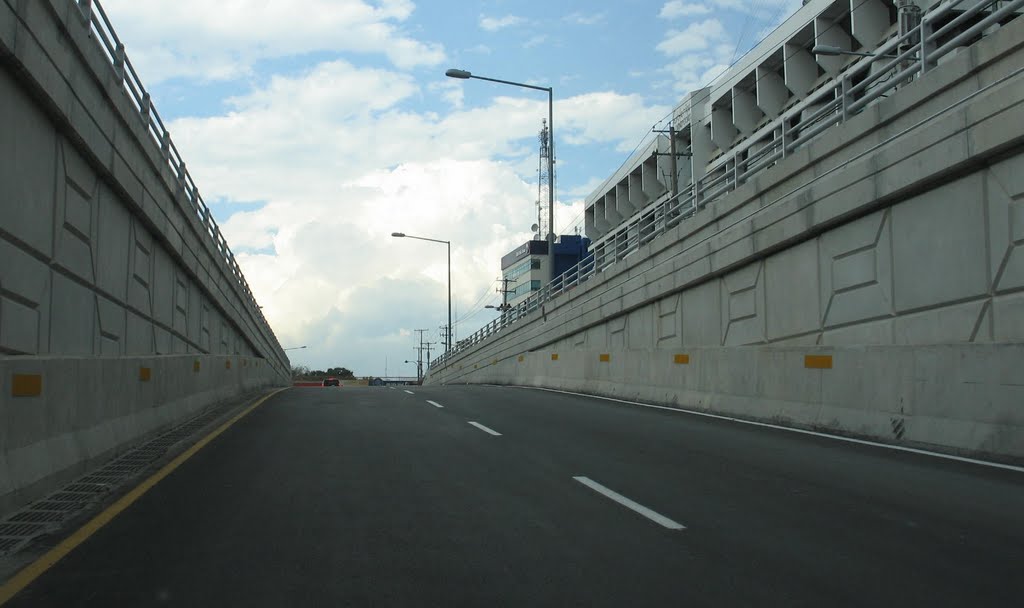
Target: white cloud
x,y
535,41
493,24
698,54
678,8
223,40
585,18
341,165
704,49
696,37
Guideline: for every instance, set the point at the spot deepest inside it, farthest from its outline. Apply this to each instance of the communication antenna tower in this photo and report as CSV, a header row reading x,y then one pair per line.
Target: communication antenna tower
x,y
544,181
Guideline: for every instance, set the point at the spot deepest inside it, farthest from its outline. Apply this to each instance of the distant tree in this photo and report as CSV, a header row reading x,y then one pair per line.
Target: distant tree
x,y
341,372
299,371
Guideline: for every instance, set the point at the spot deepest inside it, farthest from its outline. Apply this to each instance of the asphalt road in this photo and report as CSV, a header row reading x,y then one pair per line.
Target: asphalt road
x,y
378,497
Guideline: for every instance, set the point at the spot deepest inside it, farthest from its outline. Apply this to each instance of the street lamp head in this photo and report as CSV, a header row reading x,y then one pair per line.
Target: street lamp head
x,y
398,234
455,73
827,50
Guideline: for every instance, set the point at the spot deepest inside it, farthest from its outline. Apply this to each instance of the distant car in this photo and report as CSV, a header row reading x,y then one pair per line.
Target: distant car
x,y
332,382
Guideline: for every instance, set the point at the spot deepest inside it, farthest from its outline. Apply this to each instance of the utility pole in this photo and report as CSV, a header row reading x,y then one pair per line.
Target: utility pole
x,y
504,291
419,356
673,155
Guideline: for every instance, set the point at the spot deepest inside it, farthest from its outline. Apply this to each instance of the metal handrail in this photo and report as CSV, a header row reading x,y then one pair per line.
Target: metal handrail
x,y
96,20
837,105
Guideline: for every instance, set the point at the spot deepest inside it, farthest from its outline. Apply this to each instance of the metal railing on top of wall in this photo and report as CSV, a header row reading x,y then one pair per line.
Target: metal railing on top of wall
x,y
830,105
107,39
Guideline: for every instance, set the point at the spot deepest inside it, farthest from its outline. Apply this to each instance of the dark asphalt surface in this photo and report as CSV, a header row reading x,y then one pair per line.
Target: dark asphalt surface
x,y
374,497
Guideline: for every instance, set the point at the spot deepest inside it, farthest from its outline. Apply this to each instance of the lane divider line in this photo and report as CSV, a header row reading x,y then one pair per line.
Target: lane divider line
x,y
37,568
636,507
485,429
410,392
434,403
876,444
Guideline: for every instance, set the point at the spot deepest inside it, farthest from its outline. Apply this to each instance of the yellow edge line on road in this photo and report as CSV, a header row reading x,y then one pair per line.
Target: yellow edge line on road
x,y
34,570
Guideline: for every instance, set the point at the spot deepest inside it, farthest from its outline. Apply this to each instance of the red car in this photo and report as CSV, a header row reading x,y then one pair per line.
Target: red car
x,y
332,382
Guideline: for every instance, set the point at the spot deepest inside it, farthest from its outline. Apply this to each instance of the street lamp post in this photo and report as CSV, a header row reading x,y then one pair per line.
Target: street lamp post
x,y
448,344
466,74
419,369
294,348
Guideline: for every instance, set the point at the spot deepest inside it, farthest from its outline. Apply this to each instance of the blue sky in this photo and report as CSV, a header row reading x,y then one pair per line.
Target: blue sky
x,y
315,128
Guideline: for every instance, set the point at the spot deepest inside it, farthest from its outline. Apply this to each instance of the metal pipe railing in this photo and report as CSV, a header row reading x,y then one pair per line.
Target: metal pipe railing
x,y
95,18
838,102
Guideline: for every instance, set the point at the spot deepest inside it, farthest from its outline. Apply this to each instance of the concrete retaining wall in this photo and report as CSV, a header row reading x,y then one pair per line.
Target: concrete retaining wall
x,y
105,265
62,414
892,243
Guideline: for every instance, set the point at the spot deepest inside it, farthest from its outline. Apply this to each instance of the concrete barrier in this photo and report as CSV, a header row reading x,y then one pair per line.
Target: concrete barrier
x,y
963,398
114,279
893,243
62,414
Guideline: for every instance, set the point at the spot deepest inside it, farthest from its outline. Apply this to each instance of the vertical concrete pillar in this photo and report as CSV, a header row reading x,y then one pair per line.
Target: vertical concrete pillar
x,y
772,93
869,21
637,197
651,182
831,33
800,71
589,225
745,113
624,205
723,131
611,210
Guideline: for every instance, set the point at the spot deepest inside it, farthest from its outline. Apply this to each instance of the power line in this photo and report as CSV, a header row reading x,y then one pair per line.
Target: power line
x,y
712,92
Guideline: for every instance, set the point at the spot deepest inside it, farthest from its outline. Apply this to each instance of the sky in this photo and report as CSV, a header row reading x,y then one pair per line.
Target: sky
x,y
316,128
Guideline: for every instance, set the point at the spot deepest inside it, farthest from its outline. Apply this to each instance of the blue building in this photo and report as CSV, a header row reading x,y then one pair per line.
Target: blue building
x,y
525,268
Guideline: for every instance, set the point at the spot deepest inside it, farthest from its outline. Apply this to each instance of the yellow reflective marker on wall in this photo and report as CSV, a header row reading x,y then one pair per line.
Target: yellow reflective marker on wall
x,y
554,356
145,374
605,357
26,385
682,359
521,358
818,361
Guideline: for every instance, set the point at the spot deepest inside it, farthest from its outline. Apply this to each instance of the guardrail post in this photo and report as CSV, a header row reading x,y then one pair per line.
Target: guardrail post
x,y
782,134
165,145
844,86
926,62
147,106
85,6
182,172
119,59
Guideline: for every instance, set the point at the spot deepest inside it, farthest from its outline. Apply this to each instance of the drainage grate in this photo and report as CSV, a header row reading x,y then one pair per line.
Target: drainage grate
x,y
6,544
43,515
70,497
20,529
53,505
87,488
121,468
102,477
36,517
